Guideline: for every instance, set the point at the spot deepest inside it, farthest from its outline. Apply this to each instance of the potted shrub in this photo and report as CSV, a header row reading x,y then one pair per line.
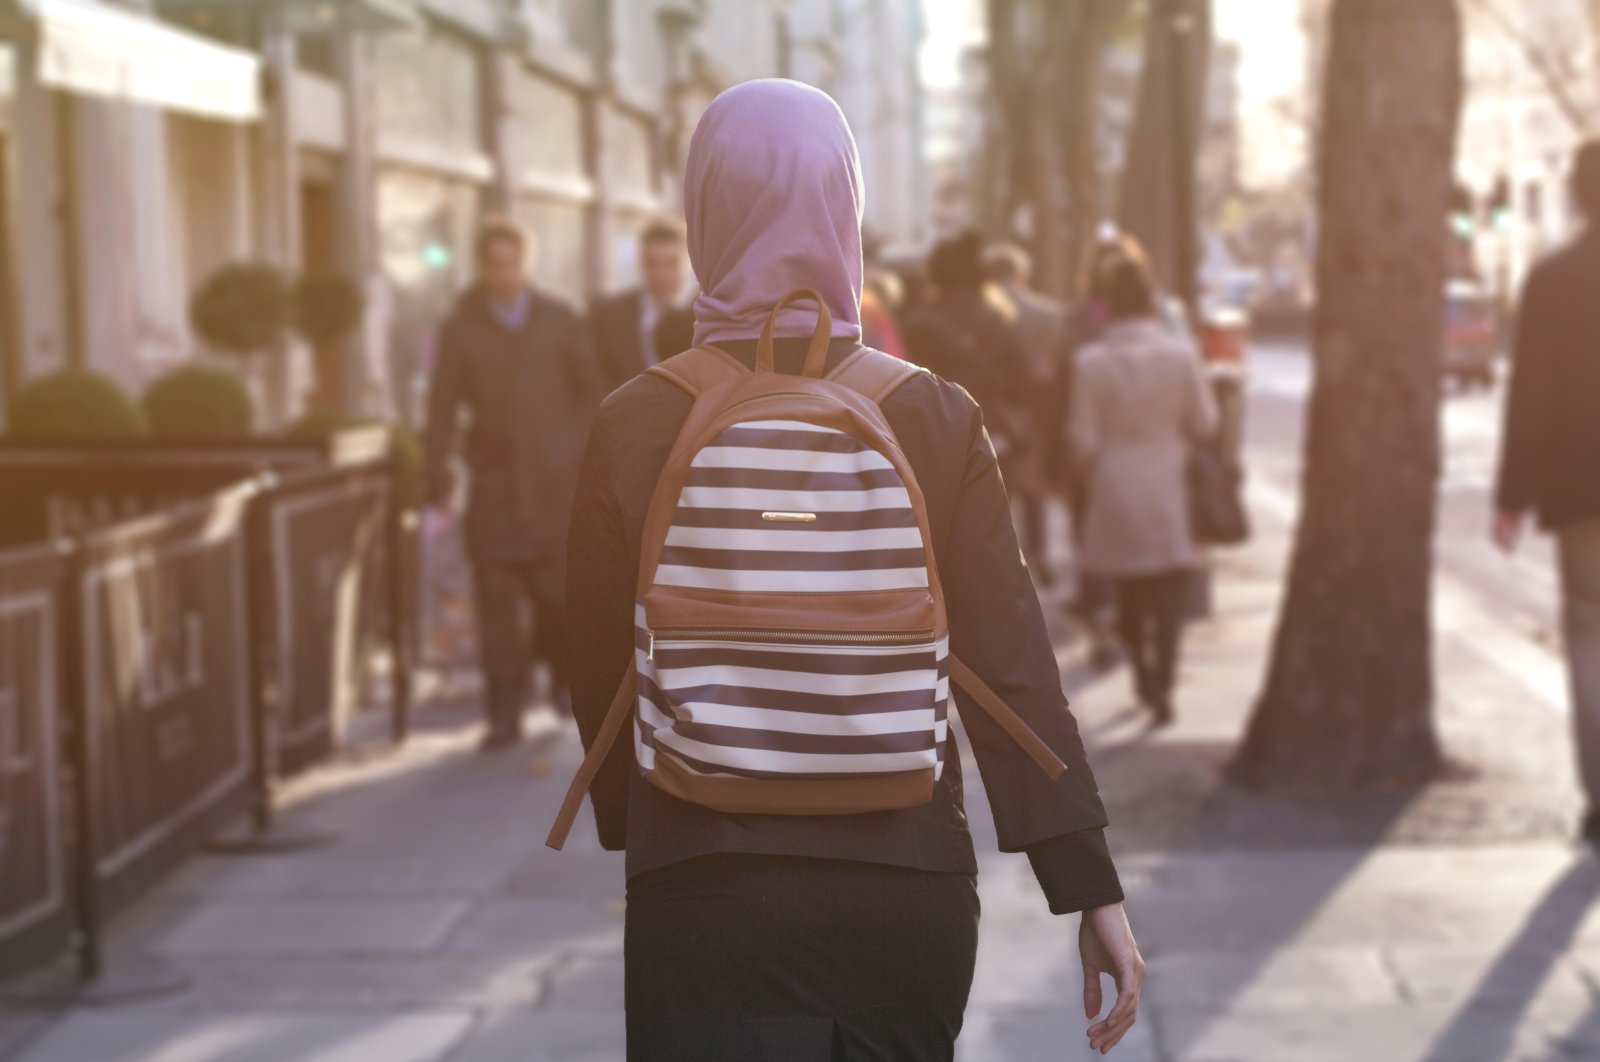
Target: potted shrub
x,y
327,310
72,405
243,309
193,402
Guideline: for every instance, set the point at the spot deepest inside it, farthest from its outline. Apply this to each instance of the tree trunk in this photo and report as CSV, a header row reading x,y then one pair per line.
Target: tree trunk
x,y
1080,70
1009,68
1146,200
1348,695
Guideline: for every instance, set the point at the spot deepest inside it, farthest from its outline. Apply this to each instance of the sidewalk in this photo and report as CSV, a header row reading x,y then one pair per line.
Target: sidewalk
x,y
1450,925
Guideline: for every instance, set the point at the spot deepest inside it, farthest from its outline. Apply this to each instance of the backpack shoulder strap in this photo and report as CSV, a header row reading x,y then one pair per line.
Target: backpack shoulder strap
x,y
611,726
874,374
698,368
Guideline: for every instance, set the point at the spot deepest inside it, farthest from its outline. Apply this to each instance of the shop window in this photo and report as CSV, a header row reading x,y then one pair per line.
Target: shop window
x,y
315,54
559,230
429,90
630,155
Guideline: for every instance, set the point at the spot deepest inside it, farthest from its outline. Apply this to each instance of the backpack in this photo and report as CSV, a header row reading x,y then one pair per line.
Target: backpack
x,y
791,651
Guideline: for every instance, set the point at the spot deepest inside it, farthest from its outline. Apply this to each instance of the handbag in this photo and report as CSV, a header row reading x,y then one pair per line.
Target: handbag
x,y
1216,507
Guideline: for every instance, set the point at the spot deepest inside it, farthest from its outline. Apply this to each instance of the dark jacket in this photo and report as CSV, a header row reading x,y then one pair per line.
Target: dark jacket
x,y
530,395
614,323
995,626
962,337
1550,457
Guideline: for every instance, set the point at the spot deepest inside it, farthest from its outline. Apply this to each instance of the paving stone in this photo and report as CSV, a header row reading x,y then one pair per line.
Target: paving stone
x,y
345,983
1482,977
167,1036
1289,979
313,927
518,927
587,982
1029,1034
545,1037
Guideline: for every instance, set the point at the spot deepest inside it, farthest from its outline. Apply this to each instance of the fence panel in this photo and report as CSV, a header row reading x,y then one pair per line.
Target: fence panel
x,y
163,611
324,532
35,909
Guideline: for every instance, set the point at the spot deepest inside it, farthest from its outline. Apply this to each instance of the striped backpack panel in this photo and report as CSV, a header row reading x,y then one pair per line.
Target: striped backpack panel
x,y
791,647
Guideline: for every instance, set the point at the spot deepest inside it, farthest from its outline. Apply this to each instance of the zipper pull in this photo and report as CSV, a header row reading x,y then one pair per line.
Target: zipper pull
x,y
650,654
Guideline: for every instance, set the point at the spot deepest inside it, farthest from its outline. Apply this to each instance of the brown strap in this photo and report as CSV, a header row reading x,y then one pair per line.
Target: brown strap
x,y
816,353
874,374
1009,721
616,716
622,707
698,368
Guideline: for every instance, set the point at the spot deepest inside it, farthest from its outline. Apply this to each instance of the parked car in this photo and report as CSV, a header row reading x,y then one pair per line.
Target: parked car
x,y
1471,333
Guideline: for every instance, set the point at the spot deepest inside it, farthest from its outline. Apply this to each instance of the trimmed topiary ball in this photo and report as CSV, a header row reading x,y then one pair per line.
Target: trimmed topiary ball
x,y
191,402
72,405
242,309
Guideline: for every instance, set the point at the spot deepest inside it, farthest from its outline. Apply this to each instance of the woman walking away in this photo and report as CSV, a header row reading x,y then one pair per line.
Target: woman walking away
x,y
793,549
1139,403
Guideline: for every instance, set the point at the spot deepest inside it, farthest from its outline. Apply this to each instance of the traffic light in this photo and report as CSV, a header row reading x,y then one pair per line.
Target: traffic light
x,y
1498,206
1463,212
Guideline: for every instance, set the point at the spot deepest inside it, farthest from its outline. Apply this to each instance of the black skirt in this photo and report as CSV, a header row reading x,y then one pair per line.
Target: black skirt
x,y
761,958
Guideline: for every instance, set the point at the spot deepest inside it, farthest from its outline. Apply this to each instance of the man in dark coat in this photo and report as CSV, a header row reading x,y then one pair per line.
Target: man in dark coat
x,y
963,334
625,325
1039,323
1550,458
519,362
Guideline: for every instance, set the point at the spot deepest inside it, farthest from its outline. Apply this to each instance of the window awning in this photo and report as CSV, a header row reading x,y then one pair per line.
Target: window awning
x,y
320,16
93,49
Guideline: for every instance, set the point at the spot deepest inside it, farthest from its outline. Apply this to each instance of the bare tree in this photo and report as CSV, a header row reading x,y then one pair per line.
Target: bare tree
x,y
1558,67
1045,61
1086,31
1348,695
1147,200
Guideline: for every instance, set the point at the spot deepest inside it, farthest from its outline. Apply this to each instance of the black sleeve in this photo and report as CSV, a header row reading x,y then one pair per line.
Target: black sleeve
x,y
1526,421
586,378
600,581
998,630
1075,871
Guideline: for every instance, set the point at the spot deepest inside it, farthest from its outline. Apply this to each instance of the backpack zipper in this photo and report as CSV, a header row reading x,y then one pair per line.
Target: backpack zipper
x,y
778,637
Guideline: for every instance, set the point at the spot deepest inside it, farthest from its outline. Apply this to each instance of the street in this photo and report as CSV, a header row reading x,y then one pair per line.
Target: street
x,y
1522,586
1448,924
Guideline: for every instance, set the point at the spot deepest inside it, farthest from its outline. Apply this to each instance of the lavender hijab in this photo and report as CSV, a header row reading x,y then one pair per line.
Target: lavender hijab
x,y
772,194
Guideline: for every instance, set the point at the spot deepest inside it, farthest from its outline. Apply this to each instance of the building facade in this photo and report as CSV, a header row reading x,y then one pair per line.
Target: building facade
x,y
145,143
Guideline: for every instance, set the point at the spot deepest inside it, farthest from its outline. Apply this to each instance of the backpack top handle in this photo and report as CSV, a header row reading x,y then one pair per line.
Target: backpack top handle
x,y
816,353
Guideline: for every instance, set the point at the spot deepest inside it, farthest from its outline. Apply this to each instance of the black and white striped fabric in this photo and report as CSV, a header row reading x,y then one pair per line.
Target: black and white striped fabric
x,y
864,534
777,507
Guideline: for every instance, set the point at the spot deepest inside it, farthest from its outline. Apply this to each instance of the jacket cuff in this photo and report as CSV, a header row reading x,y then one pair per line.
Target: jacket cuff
x,y
1075,871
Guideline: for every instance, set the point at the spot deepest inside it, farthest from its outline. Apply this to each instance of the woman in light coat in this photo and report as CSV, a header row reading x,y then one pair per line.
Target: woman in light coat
x,y
1139,404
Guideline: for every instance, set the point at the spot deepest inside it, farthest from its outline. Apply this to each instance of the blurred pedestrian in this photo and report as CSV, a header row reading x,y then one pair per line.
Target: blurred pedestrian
x,y
674,333
518,361
967,335
1140,402
1094,598
881,295
1548,464
624,325
1039,323
818,936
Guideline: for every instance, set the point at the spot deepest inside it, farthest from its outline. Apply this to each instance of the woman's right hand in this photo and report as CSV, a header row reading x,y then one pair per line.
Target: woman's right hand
x,y
1105,940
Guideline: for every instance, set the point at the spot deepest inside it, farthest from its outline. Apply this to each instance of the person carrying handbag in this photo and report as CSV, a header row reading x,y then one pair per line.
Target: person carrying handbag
x,y
1141,408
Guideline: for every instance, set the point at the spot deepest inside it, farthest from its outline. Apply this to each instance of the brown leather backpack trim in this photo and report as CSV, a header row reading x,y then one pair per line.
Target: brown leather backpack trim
x,y
874,374
699,368
765,796
859,610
